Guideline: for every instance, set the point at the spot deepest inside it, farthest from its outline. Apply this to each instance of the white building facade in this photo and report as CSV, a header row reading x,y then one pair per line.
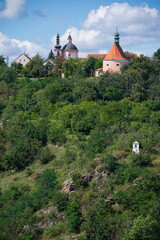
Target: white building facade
x,y
23,59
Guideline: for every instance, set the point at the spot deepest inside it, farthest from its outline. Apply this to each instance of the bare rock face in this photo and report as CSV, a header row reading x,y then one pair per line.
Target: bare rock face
x,y
42,225
68,186
47,210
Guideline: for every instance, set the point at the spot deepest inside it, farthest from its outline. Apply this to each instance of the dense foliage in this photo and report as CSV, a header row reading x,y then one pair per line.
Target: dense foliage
x,y
53,129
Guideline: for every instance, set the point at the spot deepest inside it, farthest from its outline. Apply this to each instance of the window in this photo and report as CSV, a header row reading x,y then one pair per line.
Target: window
x,y
117,64
24,60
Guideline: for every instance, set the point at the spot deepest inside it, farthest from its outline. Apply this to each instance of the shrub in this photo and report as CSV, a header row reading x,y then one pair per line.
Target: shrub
x,y
48,180
97,141
73,217
60,199
78,181
54,231
141,160
45,155
111,162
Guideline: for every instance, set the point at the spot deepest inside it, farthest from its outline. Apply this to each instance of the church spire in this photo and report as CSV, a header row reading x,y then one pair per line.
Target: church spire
x,y
116,37
57,39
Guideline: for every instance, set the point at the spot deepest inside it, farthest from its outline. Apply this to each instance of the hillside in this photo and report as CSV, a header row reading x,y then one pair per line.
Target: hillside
x,y
67,170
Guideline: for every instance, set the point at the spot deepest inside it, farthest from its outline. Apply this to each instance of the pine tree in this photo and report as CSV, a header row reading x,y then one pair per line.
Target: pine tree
x,y
51,55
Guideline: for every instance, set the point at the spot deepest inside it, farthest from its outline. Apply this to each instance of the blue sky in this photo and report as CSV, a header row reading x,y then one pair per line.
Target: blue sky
x,y
31,25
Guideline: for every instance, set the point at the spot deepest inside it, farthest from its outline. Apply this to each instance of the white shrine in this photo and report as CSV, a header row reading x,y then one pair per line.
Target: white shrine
x,y
136,147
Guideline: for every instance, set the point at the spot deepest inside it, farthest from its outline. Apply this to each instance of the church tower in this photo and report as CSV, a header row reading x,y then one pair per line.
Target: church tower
x,y
116,58
57,48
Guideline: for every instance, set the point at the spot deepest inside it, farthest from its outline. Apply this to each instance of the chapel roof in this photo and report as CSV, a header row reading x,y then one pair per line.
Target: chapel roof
x,y
115,53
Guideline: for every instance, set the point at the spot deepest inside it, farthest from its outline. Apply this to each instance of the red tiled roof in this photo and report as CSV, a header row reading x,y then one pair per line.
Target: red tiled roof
x,y
115,53
96,56
99,69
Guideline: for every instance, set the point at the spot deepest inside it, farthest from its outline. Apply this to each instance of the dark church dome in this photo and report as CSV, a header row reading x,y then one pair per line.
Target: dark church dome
x,y
69,46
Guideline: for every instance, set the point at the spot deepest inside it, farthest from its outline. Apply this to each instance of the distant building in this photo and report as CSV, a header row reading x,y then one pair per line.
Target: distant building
x,y
97,56
98,72
116,58
23,59
69,50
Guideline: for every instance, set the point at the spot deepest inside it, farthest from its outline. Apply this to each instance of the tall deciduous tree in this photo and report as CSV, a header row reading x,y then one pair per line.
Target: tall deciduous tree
x,y
35,67
58,65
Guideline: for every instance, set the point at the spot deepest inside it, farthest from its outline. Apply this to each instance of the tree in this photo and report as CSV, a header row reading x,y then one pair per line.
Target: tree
x,y
35,67
69,67
111,162
98,221
49,68
143,229
98,63
73,217
17,67
23,144
2,61
58,65
8,75
157,54
89,67
112,93
51,55
131,56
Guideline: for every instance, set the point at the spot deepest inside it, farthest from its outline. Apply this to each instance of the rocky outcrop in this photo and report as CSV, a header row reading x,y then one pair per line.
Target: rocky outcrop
x,y
68,186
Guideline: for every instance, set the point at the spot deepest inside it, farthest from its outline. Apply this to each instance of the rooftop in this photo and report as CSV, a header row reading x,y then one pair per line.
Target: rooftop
x,y
115,53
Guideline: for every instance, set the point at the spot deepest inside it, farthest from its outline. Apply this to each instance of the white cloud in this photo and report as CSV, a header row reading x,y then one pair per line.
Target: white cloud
x,y
13,48
13,9
138,25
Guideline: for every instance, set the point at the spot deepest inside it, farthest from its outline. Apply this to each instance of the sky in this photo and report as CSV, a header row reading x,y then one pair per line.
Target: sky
x,y
31,26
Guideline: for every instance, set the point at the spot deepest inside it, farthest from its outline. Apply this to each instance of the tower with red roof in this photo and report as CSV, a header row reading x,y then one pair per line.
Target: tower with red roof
x,y
116,58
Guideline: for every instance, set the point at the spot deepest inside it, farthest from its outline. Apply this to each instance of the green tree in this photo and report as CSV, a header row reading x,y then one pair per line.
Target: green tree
x,y
17,67
48,180
112,93
89,67
98,221
157,54
8,75
111,162
73,217
51,55
98,63
143,229
58,65
2,61
35,67
69,67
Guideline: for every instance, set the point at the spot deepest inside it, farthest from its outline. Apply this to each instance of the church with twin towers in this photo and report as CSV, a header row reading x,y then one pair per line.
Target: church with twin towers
x,y
69,50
